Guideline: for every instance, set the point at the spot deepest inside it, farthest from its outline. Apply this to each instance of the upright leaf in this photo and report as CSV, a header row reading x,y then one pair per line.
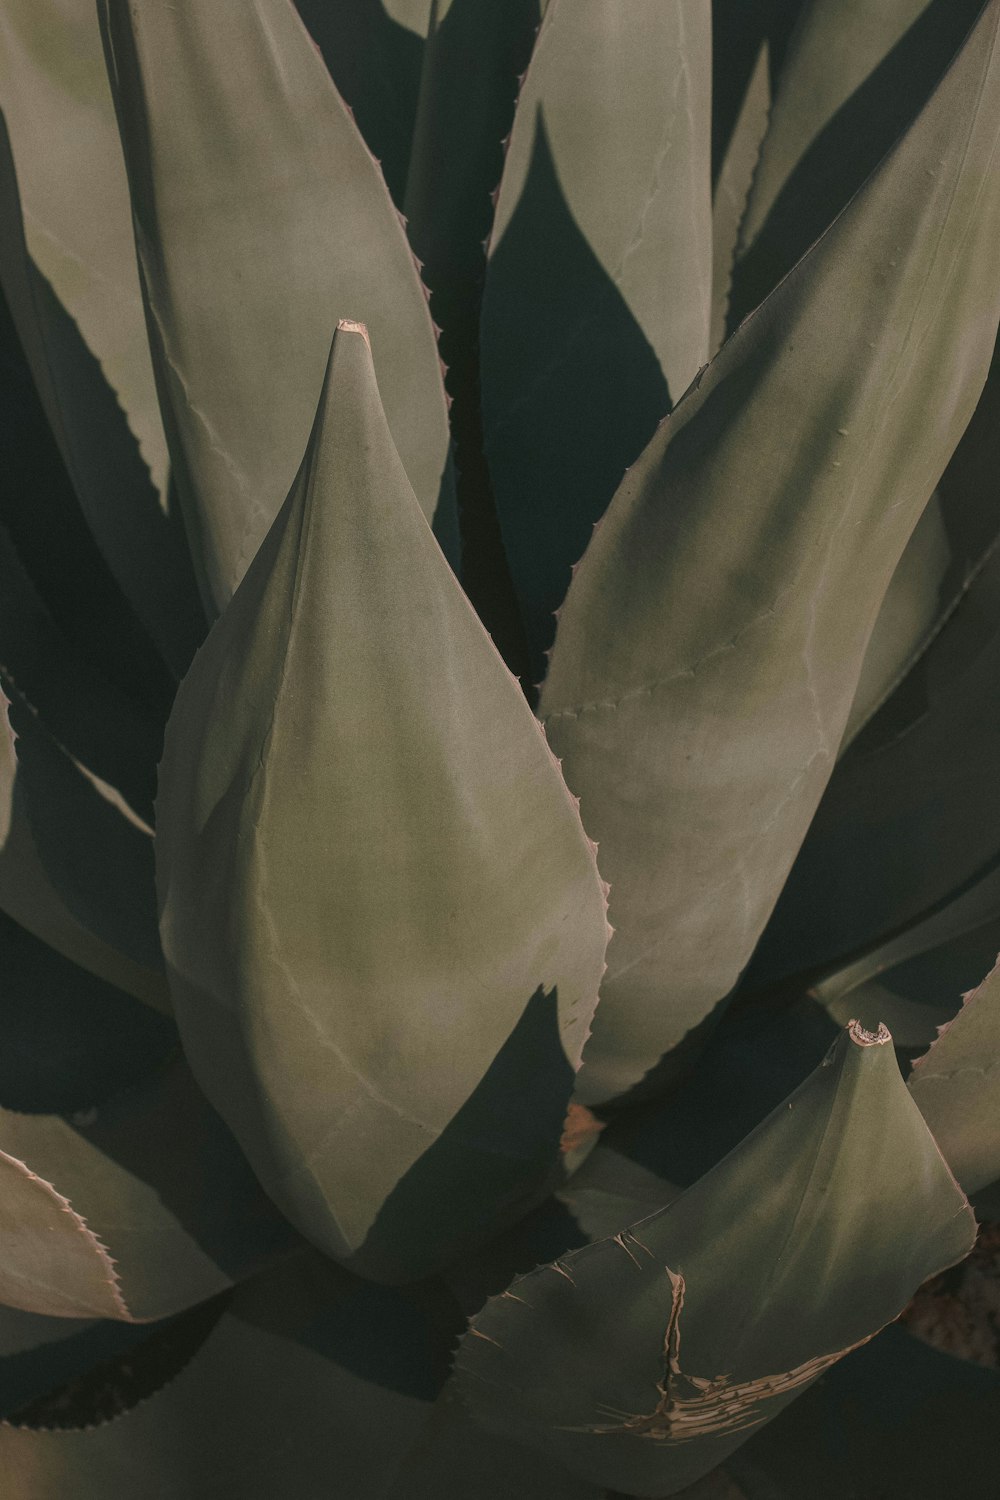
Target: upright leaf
x,y
711,642
260,219
643,1360
854,77
383,921
598,289
957,1086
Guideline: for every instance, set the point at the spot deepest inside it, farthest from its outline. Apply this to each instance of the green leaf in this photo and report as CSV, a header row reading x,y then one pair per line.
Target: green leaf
x,y
733,185
957,1086
27,894
247,264
96,852
383,921
303,1349
141,545
854,77
711,642
152,1174
596,307
643,1360
61,119
53,1263
374,56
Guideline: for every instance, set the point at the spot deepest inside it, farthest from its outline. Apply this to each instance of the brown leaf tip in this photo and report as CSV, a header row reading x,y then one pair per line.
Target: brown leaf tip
x,y
348,325
863,1038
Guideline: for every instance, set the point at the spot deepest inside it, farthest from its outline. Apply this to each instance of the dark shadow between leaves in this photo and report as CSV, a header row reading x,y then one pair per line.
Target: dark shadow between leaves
x,y
849,149
489,1165
70,1040
572,392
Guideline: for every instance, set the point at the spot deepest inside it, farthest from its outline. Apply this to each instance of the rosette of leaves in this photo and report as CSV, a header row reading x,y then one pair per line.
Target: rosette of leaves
x,y
498,634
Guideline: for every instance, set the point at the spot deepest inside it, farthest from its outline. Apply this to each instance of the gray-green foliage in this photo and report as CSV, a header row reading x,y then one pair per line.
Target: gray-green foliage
x,y
361,360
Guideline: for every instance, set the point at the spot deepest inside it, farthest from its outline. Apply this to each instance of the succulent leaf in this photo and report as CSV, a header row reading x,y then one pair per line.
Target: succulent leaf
x,y
61,119
712,639
303,1347
596,305
246,265
176,1235
957,1086
643,1360
383,921
854,77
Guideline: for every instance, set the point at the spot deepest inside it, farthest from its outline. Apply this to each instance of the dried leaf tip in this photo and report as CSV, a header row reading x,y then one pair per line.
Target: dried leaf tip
x,y
348,325
863,1038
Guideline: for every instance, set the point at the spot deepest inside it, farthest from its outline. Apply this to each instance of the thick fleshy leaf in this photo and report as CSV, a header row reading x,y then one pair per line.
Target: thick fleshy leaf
x,y
905,823
27,894
247,264
96,852
896,1420
383,921
305,1349
374,53
159,1180
915,981
957,1086
52,1262
643,1360
61,119
712,639
140,543
732,187
854,77
598,290
39,1354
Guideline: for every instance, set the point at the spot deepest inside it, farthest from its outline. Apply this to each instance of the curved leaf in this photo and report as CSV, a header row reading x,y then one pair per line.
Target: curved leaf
x,y
304,1349
854,77
597,299
247,262
957,1086
61,118
382,918
52,1262
155,1174
711,641
643,1360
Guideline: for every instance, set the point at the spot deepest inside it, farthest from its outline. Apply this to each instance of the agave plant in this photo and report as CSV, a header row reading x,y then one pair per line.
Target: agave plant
x,y
498,798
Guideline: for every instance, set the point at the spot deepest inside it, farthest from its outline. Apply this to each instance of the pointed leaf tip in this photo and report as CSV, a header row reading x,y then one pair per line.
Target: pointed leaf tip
x,y
383,921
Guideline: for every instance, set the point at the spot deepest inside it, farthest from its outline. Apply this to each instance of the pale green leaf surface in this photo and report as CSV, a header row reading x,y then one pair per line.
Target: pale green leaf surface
x,y
711,642
855,75
957,1087
58,108
160,1181
597,299
643,1360
304,1349
383,921
52,1262
247,265
142,547
733,185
